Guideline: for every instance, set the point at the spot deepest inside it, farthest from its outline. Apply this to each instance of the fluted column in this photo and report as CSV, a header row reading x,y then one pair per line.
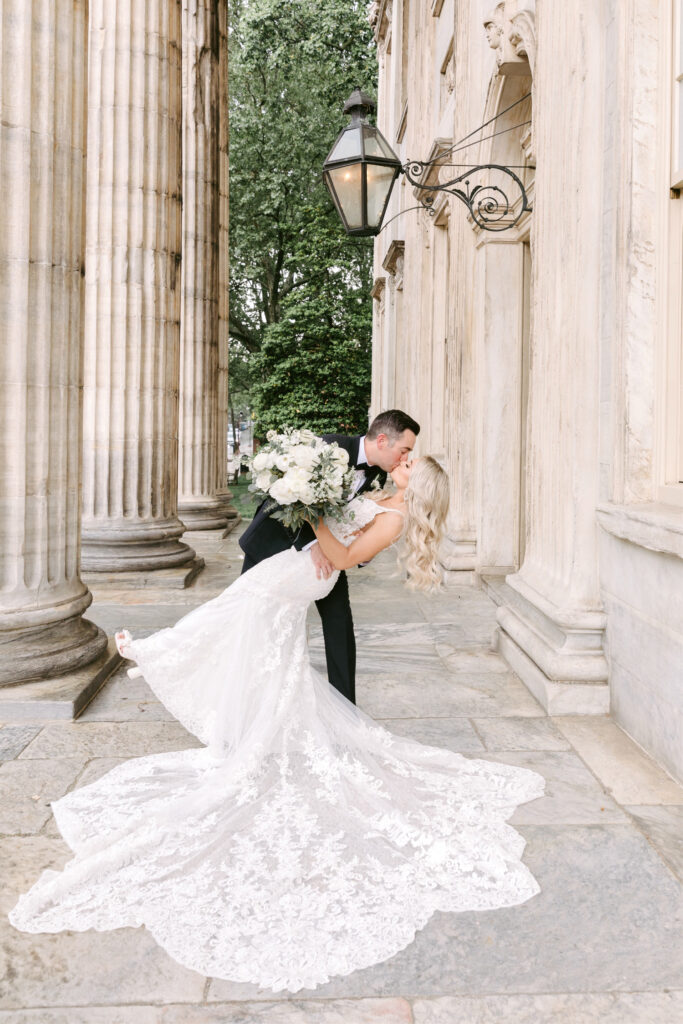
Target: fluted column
x,y
42,92
222,489
132,311
198,502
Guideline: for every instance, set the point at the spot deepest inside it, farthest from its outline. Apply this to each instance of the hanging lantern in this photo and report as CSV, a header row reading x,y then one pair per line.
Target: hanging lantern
x,y
360,170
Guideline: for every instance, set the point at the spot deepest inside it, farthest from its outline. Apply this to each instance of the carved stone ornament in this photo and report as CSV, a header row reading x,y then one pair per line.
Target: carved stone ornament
x,y
511,32
393,263
379,16
378,291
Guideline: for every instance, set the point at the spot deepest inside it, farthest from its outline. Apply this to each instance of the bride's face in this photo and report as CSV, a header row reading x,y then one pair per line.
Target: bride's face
x,y
401,474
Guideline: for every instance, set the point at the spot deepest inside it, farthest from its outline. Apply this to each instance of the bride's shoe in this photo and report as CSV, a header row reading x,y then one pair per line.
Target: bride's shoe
x,y
123,639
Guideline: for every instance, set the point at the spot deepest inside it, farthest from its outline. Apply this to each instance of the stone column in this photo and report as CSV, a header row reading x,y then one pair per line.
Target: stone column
x,y
552,626
198,503
222,489
42,98
132,306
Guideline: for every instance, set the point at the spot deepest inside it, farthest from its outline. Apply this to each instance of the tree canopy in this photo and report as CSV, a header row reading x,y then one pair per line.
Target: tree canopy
x,y
300,307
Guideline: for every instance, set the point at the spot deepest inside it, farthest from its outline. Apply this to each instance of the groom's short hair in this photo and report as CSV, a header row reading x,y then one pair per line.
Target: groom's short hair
x,y
392,423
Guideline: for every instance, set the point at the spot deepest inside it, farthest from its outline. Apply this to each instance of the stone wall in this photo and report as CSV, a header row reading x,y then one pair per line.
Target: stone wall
x,y
560,338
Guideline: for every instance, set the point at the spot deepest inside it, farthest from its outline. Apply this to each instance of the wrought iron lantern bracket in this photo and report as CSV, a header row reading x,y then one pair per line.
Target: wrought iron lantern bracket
x,y
361,169
489,205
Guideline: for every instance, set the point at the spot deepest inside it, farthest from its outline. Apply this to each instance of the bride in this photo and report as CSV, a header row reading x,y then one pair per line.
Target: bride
x,y
303,841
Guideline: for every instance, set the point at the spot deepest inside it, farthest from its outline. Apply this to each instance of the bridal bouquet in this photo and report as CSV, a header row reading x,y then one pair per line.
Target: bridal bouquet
x,y
303,476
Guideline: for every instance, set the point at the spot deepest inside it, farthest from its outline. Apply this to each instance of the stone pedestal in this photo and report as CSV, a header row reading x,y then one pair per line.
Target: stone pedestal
x,y
200,505
42,632
132,283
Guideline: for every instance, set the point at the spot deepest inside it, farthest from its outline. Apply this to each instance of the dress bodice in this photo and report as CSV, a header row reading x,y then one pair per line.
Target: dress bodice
x,y
358,514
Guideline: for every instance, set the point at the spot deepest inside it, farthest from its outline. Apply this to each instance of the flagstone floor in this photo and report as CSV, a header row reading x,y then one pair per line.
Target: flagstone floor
x,y
602,942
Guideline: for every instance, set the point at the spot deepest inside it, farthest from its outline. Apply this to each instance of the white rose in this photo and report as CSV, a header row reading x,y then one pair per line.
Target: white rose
x,y
283,462
295,436
299,482
260,461
341,456
263,481
282,492
304,456
308,436
271,435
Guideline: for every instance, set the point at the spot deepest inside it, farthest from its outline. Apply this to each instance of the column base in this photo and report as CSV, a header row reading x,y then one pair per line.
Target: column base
x,y
457,556
62,698
137,546
208,513
558,654
177,578
232,523
51,649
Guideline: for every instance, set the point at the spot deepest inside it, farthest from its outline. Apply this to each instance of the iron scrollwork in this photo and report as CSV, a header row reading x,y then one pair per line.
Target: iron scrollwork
x,y
489,205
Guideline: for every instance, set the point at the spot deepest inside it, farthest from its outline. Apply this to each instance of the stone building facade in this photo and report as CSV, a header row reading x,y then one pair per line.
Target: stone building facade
x,y
113,310
545,362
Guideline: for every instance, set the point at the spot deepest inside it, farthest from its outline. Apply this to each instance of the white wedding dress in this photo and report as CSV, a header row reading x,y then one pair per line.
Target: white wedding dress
x,y
303,841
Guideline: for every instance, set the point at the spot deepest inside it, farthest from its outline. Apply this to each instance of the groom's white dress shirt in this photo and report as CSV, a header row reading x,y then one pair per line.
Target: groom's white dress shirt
x,y
360,472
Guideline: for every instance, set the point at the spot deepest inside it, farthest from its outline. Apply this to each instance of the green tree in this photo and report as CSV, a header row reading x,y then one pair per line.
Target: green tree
x,y
299,291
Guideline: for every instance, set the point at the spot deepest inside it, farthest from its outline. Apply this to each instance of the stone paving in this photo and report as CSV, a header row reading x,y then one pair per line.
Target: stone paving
x,y
602,942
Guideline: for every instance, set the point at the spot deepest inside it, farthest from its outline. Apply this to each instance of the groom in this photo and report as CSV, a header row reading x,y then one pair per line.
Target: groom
x,y
389,441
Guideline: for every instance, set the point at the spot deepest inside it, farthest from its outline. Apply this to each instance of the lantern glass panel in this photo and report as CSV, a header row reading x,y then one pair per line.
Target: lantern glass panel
x,y
348,146
379,179
376,144
348,186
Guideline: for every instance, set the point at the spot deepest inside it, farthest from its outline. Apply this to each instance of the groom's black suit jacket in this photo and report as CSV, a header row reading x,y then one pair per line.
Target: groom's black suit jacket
x,y
266,536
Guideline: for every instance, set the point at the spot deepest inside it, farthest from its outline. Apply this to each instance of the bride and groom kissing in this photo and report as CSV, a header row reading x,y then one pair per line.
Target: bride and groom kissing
x,y
303,840
384,449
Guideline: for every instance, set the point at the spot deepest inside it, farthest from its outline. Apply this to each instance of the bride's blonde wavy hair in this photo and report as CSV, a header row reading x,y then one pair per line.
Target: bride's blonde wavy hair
x,y
426,505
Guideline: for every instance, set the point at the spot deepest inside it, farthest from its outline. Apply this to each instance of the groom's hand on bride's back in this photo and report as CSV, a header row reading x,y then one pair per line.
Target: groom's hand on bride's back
x,y
323,566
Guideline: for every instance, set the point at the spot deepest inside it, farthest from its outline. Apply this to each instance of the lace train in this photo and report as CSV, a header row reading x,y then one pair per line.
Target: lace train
x,y
304,841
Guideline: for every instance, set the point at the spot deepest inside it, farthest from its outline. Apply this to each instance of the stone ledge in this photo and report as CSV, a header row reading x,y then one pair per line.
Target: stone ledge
x,y
62,697
651,525
177,578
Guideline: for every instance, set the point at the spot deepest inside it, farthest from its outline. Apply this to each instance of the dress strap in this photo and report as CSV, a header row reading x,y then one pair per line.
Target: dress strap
x,y
381,509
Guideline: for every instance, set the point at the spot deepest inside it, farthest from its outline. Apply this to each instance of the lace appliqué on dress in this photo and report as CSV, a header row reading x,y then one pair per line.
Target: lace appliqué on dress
x,y
304,841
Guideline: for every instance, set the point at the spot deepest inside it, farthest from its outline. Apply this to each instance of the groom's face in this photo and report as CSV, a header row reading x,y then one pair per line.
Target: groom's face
x,y
391,454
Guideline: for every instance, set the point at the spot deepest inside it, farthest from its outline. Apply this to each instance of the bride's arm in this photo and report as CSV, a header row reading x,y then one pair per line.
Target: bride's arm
x,y
382,532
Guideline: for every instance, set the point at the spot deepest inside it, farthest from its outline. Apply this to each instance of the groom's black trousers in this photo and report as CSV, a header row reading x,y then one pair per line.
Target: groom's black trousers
x,y
340,642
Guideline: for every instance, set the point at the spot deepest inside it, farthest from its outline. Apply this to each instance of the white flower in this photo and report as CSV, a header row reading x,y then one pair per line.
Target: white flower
x,y
295,436
307,436
305,456
271,435
260,461
263,480
341,456
282,492
298,480
283,462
